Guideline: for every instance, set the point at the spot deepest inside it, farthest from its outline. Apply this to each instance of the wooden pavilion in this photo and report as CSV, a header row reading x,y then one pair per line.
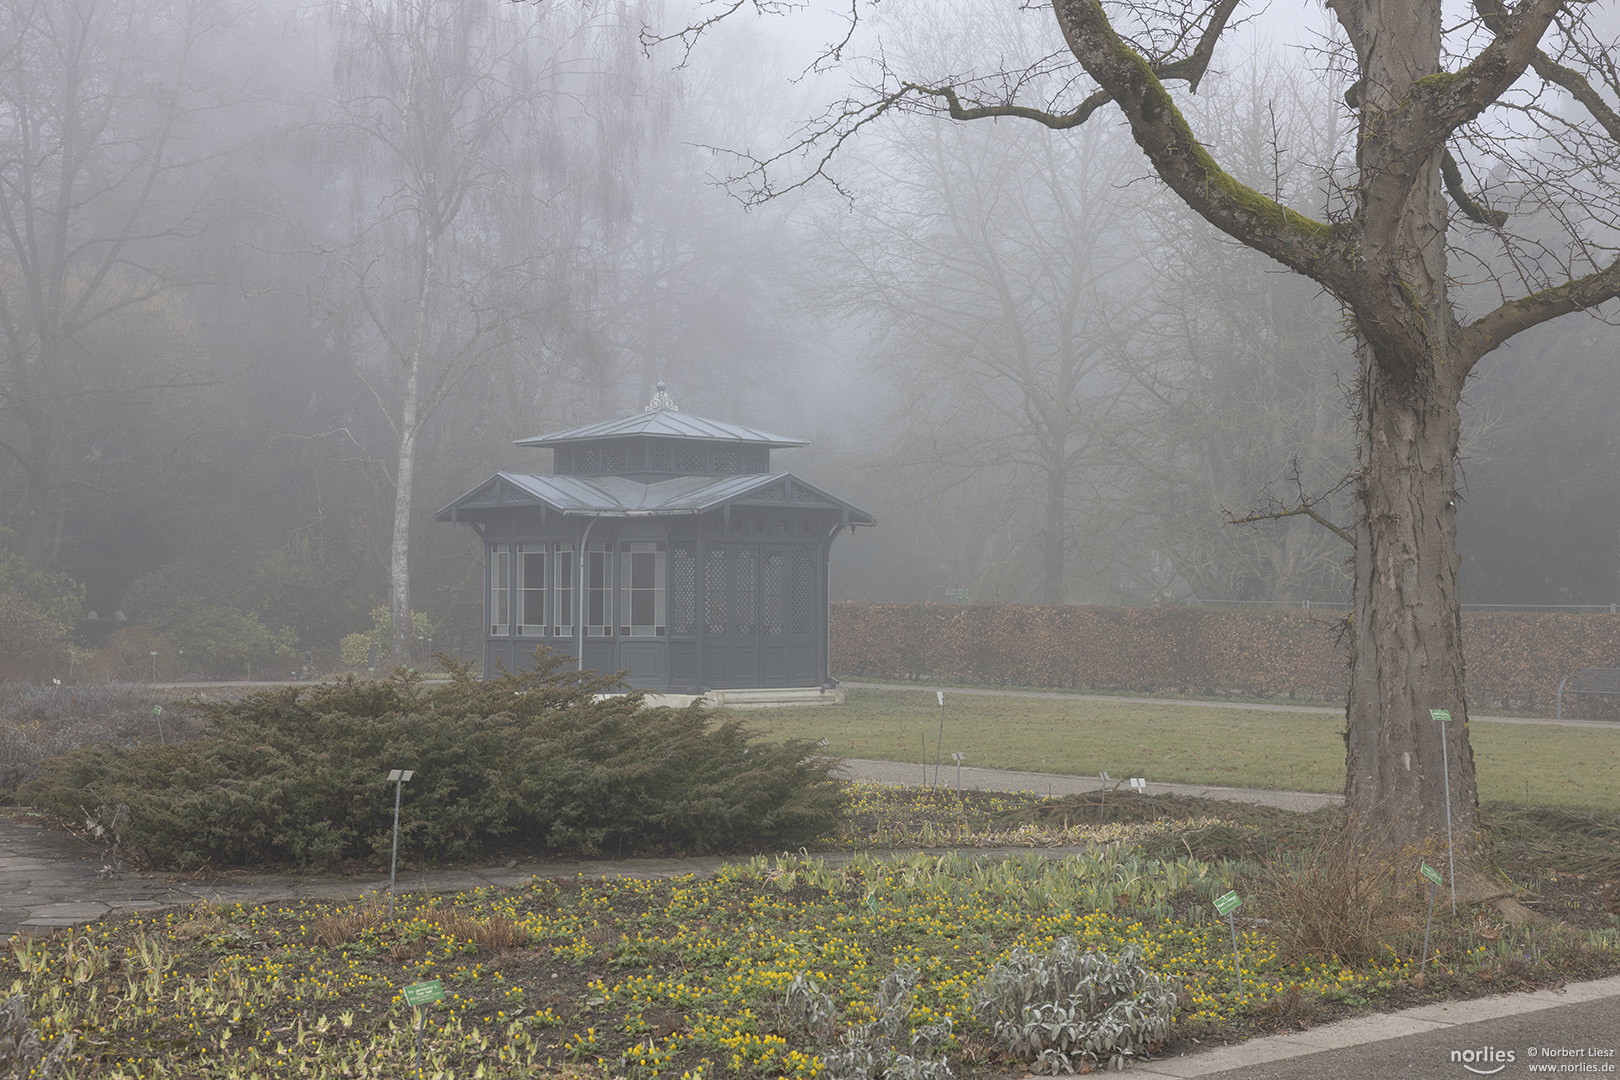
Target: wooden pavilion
x,y
663,546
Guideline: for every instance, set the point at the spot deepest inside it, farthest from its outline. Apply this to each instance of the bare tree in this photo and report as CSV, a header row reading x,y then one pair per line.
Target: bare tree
x,y
994,272
95,192
444,105
1524,90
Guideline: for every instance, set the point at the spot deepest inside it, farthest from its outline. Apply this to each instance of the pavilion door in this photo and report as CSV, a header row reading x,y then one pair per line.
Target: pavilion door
x,y
759,615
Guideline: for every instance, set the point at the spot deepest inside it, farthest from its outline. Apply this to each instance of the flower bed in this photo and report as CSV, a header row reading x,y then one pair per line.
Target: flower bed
x,y
681,978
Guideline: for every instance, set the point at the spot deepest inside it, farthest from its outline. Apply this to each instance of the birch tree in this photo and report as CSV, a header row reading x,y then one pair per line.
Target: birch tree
x,y
444,104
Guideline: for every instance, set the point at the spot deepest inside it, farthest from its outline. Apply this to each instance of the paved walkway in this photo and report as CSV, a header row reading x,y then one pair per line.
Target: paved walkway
x,y
1581,1019
50,879
1052,784
1246,706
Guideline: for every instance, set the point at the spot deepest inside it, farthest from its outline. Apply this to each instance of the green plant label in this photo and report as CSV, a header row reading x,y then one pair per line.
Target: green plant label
x,y
1228,903
157,710
1442,715
424,993
1429,872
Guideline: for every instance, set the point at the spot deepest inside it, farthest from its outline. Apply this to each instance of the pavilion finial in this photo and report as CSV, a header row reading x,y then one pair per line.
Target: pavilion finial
x,y
661,401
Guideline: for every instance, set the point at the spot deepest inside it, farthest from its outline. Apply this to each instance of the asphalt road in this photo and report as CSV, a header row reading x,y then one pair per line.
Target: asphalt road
x,y
1512,1036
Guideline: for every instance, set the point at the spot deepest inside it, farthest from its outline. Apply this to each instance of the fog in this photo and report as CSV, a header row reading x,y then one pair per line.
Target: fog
x,y
277,281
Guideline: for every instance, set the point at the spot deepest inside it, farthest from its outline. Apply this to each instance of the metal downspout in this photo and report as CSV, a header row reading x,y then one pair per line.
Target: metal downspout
x,y
826,643
579,598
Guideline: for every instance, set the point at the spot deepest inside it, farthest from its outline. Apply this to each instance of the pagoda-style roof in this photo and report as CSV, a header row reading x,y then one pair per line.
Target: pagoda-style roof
x,y
618,496
666,423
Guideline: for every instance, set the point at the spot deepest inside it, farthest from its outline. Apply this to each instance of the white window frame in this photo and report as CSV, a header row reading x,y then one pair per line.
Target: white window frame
x,y
523,592
563,571
645,555
598,598
499,608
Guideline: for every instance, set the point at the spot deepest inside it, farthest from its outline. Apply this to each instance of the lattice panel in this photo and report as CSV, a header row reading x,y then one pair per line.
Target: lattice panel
x,y
562,461
714,590
658,457
745,572
725,460
590,460
773,593
613,458
682,589
690,457
756,459
804,592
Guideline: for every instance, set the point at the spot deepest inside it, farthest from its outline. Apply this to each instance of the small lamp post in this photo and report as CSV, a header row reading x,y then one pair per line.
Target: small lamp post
x,y
399,778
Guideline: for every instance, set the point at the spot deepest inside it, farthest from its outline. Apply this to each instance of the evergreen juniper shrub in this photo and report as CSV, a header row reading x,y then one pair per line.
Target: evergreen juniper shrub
x,y
542,759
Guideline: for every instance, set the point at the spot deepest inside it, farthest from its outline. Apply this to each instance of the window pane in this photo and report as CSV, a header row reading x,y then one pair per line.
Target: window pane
x,y
531,610
598,592
564,571
500,589
641,564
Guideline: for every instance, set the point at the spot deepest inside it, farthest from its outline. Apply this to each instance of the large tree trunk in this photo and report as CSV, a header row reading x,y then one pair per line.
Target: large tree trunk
x,y
1405,638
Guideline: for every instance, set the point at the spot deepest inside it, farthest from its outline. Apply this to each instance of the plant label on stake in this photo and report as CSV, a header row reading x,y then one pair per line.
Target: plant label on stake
x,y
1225,905
157,711
957,757
1444,715
1434,880
939,746
418,995
397,777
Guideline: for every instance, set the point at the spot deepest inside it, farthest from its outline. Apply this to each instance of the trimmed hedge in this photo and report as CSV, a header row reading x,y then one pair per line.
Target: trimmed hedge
x,y
1515,659
536,759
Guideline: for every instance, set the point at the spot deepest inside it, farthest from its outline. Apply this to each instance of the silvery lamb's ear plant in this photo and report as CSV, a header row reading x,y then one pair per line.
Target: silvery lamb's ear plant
x,y
21,1054
880,1050
1068,1008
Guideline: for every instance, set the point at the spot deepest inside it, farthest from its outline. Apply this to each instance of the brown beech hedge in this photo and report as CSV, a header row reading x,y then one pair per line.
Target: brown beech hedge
x,y
1515,659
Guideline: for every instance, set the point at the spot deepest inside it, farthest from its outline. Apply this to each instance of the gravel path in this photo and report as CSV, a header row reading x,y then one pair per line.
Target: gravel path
x,y
1246,706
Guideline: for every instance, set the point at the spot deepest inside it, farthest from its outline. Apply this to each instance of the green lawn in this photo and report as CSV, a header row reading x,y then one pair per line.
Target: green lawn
x,y
1190,744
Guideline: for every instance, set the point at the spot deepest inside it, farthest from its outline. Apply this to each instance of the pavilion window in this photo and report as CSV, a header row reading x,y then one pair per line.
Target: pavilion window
x,y
642,571
500,589
598,590
744,574
714,589
682,590
773,589
531,590
563,570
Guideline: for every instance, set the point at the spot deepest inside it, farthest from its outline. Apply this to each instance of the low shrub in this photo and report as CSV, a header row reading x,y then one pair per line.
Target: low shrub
x,y
1068,1010
39,722
539,758
1330,900
887,1047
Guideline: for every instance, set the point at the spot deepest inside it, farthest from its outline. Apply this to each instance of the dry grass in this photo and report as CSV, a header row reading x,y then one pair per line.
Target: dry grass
x,y
495,933
344,927
37,722
1330,900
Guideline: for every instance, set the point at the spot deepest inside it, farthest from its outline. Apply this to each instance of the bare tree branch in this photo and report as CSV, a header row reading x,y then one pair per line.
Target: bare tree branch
x,y
1474,210
1301,505
1490,330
